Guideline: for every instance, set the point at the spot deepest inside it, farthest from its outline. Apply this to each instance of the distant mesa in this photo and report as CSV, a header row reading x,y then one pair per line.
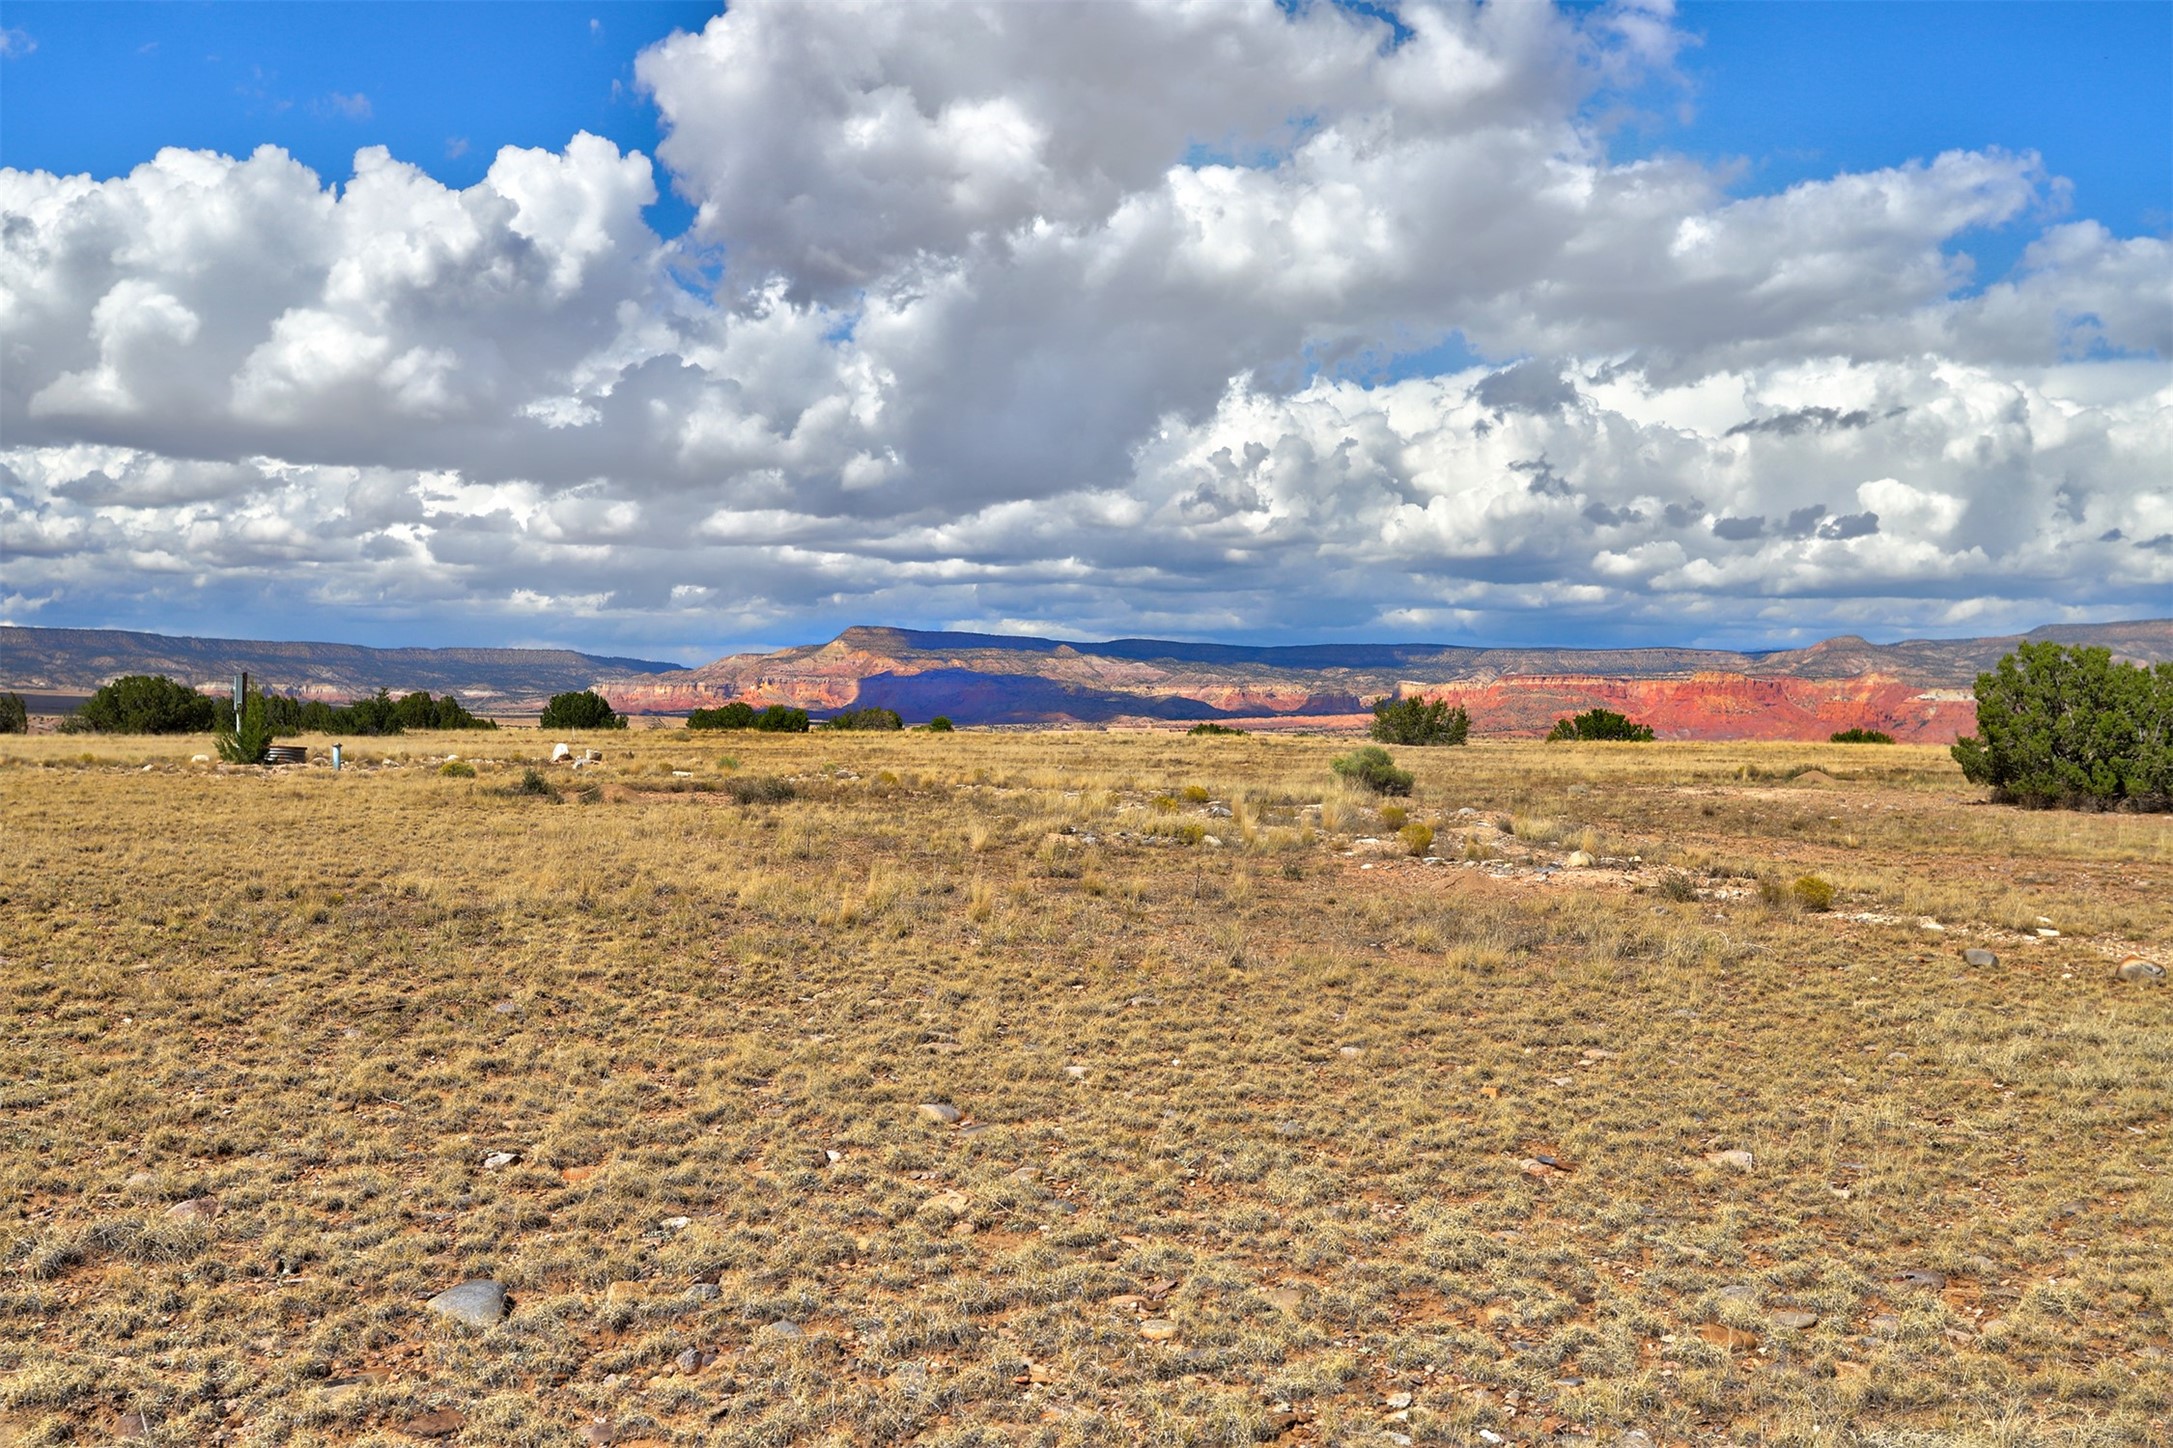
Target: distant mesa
x,y
61,665
1918,690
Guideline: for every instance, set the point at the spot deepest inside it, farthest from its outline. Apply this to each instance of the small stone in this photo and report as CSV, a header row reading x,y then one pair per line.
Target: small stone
x,y
1026,1174
506,1007
676,1224
500,1160
195,1209
1350,1051
1978,955
1923,1277
1580,860
953,1204
1284,1299
2138,971
1738,1292
479,1303
599,1433
785,1330
438,1423
1736,1160
1884,1324
1077,1073
1794,1319
1158,1329
978,1128
692,1360
1398,1400
140,1181
705,1292
941,1113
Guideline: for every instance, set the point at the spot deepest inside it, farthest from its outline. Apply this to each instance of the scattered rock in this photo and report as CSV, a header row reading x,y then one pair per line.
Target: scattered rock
x,y
1736,1160
1885,1324
784,1330
1793,1318
940,1112
1923,1277
1593,1055
500,1160
1077,1073
1026,1174
438,1423
675,1224
954,1204
2138,971
195,1209
1283,1299
479,1303
1738,1292
1978,955
506,1007
1398,1400
140,1181
1158,1329
694,1359
599,1432
978,1128
561,752
1580,860
705,1292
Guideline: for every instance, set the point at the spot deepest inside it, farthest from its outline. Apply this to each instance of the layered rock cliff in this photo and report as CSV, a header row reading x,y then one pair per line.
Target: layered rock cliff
x,y
1917,690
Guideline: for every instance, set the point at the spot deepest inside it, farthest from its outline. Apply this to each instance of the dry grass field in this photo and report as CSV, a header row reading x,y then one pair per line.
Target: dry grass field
x,y
1270,1130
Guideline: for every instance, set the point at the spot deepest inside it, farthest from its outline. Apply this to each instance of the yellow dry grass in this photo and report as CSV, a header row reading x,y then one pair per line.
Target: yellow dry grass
x,y
1359,1124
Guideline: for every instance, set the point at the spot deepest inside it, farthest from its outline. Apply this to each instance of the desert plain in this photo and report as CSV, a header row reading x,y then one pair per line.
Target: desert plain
x,y
1076,1088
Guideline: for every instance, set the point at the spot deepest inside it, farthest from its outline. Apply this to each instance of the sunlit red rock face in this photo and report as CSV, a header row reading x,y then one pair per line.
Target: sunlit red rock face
x,y
1917,690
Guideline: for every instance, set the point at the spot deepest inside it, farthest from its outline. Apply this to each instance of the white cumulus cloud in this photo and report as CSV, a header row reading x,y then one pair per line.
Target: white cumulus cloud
x,y
996,313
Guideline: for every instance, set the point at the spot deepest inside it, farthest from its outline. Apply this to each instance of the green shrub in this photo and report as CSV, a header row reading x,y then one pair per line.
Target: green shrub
x,y
941,724
248,743
1194,794
1372,767
14,715
533,784
1418,838
2069,726
1393,816
1812,893
1419,721
873,719
759,789
1211,729
586,709
777,719
144,704
1861,736
1599,724
457,769
736,715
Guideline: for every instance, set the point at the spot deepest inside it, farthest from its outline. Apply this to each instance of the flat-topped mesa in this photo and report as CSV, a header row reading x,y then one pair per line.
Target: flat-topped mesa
x,y
1915,690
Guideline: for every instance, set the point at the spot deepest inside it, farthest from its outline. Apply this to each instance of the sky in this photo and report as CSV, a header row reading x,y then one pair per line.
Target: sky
x,y
661,330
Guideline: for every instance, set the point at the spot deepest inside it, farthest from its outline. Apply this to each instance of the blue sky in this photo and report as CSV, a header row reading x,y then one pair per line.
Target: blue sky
x,y
1716,104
